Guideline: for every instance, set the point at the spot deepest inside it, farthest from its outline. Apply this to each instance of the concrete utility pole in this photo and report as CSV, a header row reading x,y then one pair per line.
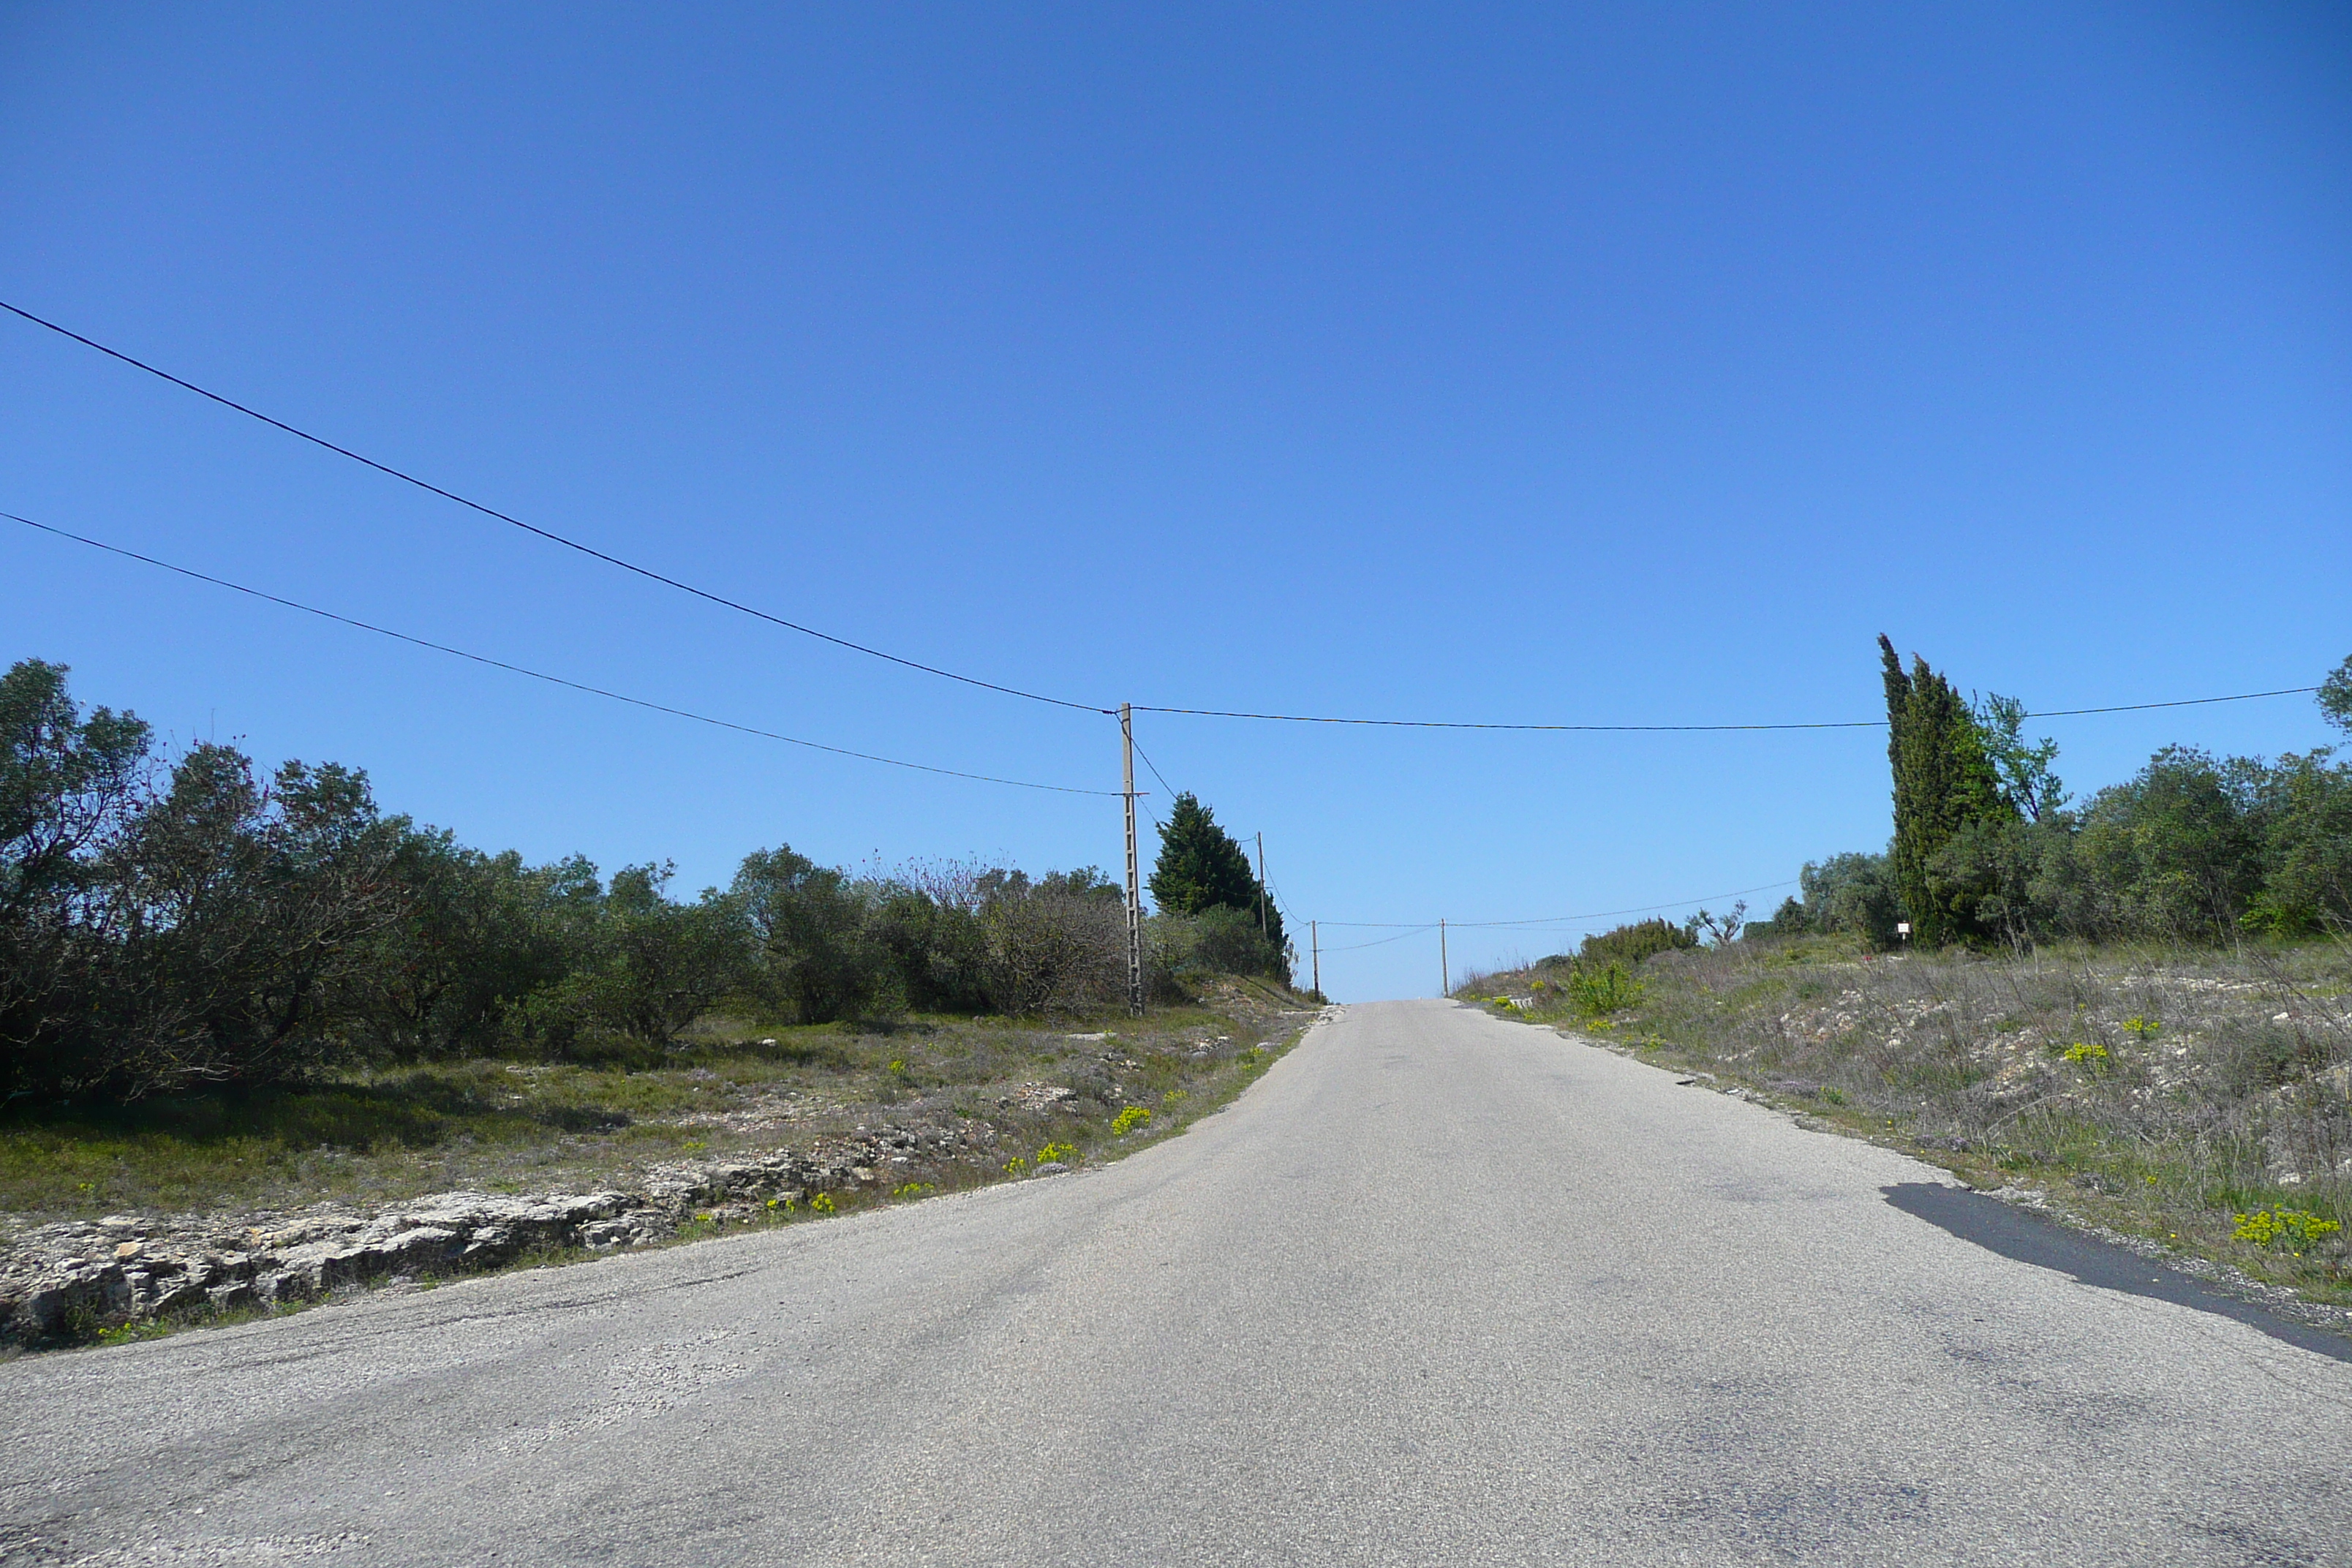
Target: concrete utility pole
x,y
1261,884
1134,868
1315,941
1445,968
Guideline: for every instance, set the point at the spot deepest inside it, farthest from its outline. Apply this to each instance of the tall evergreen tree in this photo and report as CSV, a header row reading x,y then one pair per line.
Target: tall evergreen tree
x,y
1202,868
1944,781
1199,865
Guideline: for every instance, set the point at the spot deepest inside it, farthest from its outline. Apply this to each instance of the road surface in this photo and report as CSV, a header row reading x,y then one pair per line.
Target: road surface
x,y
1440,1290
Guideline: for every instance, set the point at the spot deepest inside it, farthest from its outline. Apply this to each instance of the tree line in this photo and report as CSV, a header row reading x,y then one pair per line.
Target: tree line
x,y
1988,849
166,923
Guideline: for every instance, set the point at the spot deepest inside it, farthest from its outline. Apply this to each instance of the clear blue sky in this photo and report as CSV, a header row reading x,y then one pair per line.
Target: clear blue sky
x,y
1615,365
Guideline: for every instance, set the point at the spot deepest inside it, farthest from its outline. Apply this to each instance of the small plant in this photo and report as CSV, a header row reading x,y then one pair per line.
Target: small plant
x,y
1128,1121
2090,1052
822,1204
1601,991
898,1066
913,1189
1173,1096
2143,1027
1834,1096
1052,1153
2286,1229
1015,1165
785,1207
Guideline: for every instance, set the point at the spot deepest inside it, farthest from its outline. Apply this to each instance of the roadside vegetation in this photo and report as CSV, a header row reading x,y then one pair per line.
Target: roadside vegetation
x,y
938,1102
218,989
2140,1007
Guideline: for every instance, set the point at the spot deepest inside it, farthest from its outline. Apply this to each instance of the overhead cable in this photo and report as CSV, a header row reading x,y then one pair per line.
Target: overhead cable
x,y
719,599
539,675
549,534
1686,729
1378,941
1561,920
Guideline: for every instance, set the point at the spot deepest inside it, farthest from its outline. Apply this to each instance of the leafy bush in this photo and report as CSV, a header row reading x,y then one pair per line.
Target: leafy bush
x,y
1627,945
819,952
1850,895
1597,993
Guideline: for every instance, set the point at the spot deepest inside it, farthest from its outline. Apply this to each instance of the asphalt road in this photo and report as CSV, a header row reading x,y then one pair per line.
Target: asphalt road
x,y
1440,1290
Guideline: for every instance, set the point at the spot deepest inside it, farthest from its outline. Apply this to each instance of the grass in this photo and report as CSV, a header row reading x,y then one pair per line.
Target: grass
x,y
2164,1093
734,1085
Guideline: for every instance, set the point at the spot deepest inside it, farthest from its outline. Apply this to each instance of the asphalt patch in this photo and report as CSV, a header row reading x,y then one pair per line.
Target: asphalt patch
x,y
2027,1237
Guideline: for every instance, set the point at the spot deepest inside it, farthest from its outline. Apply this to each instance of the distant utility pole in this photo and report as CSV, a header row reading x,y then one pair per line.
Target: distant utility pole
x,y
1261,884
1315,941
1445,968
1134,868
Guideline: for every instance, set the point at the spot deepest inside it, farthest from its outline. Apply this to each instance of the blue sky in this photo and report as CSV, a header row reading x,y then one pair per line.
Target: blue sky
x,y
1612,364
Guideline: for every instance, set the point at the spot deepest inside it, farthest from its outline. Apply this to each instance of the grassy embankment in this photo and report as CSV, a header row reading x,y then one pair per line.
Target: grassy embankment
x,y
732,1086
2175,1095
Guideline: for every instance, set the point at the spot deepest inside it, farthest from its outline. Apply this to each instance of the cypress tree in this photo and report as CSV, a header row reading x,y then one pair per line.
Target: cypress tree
x,y
1944,781
1199,865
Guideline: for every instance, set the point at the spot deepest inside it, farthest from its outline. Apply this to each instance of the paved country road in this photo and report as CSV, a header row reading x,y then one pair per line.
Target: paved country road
x,y
1440,1290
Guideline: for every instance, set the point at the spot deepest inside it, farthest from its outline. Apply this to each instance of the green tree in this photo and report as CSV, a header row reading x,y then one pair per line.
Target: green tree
x,y
69,786
1944,781
2027,778
818,950
2335,696
1200,868
1850,893
665,964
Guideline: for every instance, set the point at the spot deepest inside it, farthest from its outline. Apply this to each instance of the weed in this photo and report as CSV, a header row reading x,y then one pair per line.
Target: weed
x,y
1052,1153
2087,1051
2289,1230
1015,1165
1128,1121
1835,1096
822,1204
1601,991
914,1189
1174,1097
2145,1029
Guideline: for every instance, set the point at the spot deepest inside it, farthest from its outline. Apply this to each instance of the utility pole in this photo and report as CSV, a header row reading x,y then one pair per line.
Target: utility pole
x,y
1261,884
1445,968
1134,868
1315,941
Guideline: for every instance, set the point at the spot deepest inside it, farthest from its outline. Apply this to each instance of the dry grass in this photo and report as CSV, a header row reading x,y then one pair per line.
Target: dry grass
x,y
2160,1092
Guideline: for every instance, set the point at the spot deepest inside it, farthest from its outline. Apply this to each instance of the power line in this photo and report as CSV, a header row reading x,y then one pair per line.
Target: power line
x,y
651,575
1156,773
1561,919
548,535
1688,728
1379,941
539,675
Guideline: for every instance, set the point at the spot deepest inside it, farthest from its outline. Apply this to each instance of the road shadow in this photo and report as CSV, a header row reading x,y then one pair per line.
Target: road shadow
x,y
2027,1237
